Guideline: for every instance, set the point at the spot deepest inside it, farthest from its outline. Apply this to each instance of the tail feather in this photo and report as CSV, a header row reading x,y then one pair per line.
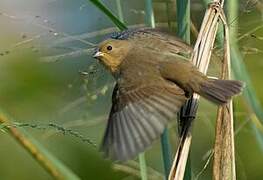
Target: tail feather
x,y
220,91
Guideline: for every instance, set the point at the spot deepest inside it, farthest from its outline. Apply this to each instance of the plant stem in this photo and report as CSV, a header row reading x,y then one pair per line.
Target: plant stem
x,y
168,13
166,150
143,167
52,165
107,12
183,19
183,31
149,15
119,9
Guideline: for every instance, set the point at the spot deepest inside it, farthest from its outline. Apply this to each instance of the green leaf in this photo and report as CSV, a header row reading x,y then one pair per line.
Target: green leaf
x,y
108,13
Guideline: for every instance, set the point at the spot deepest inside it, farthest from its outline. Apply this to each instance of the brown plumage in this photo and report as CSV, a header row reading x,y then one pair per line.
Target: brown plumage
x,y
153,81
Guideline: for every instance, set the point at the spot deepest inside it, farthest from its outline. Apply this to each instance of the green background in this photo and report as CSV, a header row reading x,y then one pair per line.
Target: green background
x,y
39,90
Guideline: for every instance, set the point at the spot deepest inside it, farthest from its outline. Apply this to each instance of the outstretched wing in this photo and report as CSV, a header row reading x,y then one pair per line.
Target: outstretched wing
x,y
138,116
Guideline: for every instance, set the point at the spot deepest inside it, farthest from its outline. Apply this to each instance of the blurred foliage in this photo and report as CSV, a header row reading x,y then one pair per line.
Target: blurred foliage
x,y
75,92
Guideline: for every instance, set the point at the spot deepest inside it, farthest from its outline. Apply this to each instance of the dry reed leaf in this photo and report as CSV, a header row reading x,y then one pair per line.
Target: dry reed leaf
x,y
224,148
201,58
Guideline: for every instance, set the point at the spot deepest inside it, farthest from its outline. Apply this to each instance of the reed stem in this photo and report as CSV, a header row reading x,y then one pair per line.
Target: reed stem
x,y
143,167
166,151
183,31
183,19
149,14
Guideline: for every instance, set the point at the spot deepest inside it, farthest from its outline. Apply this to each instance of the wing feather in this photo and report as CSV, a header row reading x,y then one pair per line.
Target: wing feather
x,y
138,117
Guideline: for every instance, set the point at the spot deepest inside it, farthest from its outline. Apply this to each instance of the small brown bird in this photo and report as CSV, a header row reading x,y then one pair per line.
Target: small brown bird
x,y
153,81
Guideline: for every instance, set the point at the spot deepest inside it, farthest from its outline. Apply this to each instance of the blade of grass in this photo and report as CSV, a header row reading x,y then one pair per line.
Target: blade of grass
x,y
183,19
168,13
149,18
183,31
166,147
166,150
108,13
149,15
119,9
240,72
49,162
143,167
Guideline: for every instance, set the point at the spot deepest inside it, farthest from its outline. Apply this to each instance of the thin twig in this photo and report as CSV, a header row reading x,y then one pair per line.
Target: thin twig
x,y
71,55
133,169
205,166
56,127
46,160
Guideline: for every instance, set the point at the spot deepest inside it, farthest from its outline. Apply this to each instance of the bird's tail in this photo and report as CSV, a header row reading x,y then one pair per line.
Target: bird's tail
x,y
220,91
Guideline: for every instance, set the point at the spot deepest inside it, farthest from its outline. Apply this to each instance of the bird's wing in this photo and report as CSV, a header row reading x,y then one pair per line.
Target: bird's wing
x,y
156,39
138,116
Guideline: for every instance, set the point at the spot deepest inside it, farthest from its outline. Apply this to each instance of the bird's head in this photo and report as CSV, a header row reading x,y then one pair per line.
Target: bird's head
x,y
112,52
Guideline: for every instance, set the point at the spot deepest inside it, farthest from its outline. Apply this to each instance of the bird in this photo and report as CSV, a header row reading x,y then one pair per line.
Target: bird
x,y
154,79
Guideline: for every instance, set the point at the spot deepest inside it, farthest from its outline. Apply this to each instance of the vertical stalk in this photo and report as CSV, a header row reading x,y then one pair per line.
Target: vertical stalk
x,y
149,15
108,13
232,13
149,19
119,10
166,150
183,31
168,13
143,167
183,19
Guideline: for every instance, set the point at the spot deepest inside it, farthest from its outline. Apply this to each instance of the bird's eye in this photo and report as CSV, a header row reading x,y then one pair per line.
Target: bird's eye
x,y
109,48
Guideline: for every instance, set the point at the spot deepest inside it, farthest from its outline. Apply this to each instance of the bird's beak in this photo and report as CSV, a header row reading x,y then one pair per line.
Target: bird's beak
x,y
98,54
